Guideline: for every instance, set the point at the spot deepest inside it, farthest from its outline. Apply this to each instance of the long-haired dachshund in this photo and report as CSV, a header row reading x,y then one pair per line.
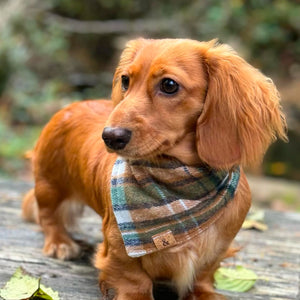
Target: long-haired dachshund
x,y
166,177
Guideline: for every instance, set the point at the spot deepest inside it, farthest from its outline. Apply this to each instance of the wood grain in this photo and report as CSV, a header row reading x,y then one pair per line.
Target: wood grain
x,y
274,255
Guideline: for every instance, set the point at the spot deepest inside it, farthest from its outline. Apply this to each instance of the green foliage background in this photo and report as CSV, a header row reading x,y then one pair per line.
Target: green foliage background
x,y
57,51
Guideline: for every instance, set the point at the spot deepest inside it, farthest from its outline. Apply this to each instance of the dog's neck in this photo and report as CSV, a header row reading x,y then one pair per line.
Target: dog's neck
x,y
185,151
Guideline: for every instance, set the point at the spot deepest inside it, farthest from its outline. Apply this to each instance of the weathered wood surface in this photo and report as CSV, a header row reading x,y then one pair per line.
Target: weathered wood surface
x,y
274,255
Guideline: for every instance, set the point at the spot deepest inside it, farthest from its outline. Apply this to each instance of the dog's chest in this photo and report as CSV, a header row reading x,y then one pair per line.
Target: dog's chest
x,y
181,264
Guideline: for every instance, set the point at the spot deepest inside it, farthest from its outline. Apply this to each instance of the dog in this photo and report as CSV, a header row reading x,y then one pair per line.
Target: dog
x,y
181,111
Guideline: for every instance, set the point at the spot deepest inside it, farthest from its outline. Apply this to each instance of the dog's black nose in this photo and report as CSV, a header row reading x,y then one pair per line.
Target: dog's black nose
x,y
116,138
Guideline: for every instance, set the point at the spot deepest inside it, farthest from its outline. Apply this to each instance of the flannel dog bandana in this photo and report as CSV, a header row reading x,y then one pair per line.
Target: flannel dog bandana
x,y
159,205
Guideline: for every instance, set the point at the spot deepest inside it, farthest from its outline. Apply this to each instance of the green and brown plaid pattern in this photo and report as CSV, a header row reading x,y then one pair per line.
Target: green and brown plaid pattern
x,y
166,198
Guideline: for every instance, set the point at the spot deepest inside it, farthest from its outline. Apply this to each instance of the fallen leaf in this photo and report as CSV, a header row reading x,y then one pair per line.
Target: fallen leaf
x,y
251,224
255,220
41,295
238,279
22,286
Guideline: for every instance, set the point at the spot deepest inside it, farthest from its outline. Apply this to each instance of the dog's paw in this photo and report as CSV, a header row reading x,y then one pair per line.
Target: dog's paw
x,y
63,251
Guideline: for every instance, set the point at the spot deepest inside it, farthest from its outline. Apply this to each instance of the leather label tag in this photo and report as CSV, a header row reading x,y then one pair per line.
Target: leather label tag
x,y
164,239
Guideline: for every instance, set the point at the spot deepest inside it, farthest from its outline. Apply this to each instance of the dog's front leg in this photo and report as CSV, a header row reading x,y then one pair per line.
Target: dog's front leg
x,y
58,242
128,281
118,271
122,294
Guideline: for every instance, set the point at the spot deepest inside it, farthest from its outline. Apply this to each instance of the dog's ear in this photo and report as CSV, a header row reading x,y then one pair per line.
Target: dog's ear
x,y
242,113
127,56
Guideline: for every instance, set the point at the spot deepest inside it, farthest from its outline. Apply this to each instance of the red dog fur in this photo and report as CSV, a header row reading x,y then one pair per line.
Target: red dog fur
x,y
224,113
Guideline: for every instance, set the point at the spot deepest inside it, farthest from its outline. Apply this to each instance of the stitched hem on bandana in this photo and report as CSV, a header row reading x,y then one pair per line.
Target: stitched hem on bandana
x,y
163,204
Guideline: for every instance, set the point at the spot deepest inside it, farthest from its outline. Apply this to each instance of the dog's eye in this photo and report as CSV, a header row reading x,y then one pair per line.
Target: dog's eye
x,y
125,82
169,86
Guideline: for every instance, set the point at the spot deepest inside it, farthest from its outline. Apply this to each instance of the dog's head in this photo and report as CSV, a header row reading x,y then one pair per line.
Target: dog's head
x,y
196,101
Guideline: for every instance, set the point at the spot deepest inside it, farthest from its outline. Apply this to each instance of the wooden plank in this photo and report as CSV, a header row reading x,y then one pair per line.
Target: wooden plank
x,y
274,255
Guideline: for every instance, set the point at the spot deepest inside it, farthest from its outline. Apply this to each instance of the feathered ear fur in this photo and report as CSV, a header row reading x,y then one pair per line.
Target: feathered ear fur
x,y
242,114
127,56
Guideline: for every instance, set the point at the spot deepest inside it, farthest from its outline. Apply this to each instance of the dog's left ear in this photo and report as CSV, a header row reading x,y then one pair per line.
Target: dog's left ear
x,y
242,114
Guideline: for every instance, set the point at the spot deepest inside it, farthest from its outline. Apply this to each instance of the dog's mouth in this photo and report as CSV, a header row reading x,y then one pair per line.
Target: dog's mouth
x,y
150,145
150,149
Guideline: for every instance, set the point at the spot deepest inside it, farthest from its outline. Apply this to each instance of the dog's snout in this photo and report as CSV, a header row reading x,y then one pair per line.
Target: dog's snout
x,y
116,138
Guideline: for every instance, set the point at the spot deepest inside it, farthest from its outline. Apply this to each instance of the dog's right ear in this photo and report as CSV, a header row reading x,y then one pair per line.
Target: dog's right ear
x,y
127,57
242,114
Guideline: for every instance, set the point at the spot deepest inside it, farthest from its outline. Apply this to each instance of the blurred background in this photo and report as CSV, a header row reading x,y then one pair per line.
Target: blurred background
x,y
58,51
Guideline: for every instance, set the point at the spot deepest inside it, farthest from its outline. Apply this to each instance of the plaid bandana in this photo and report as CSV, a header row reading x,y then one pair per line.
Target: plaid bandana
x,y
159,205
